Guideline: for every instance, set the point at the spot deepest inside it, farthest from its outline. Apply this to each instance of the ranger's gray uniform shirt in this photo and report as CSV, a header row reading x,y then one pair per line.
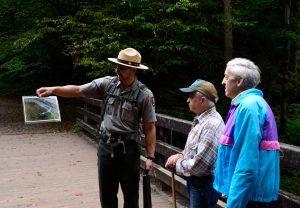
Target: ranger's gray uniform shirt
x,y
119,116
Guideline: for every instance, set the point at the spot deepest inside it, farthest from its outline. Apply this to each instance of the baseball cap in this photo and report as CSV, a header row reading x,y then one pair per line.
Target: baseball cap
x,y
204,87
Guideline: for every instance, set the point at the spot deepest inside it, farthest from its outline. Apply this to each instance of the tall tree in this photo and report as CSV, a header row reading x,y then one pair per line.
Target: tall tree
x,y
290,63
286,68
227,30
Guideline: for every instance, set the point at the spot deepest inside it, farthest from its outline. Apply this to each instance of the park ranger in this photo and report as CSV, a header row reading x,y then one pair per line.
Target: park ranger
x,y
129,105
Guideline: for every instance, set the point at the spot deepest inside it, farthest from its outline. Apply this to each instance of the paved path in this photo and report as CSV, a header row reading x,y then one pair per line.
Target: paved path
x,y
47,170
45,166
52,170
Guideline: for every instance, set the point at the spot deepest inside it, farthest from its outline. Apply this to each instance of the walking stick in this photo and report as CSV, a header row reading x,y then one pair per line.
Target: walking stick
x,y
147,189
173,188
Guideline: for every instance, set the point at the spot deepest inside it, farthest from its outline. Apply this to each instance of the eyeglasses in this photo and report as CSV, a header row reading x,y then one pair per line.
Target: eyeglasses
x,y
122,68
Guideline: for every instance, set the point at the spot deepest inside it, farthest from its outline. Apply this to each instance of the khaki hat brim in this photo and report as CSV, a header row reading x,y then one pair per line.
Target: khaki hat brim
x,y
141,66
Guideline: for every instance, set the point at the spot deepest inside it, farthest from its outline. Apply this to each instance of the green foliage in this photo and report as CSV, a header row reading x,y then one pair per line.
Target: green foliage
x,y
75,128
14,65
18,15
180,41
92,34
7,48
25,54
293,124
290,180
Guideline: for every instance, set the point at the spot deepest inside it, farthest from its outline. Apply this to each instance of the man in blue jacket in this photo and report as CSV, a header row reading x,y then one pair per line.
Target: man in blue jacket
x,y
247,167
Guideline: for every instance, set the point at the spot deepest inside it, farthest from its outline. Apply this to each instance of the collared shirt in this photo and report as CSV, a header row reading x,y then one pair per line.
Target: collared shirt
x,y
120,116
236,98
200,151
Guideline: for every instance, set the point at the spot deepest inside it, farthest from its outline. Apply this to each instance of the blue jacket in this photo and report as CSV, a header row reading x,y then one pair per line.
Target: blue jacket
x,y
247,167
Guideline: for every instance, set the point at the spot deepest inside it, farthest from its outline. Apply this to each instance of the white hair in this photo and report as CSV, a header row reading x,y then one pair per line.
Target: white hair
x,y
209,102
246,69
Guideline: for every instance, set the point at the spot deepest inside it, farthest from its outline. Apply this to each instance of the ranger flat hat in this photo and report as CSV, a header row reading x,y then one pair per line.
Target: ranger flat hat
x,y
129,57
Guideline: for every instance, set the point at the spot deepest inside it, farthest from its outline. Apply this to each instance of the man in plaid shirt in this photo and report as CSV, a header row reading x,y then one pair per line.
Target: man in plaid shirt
x,y
197,160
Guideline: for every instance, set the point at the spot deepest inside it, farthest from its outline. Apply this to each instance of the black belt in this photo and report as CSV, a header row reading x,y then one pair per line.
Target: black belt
x,y
114,140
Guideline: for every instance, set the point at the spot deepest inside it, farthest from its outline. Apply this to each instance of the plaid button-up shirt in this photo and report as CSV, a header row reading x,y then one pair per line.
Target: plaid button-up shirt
x,y
200,151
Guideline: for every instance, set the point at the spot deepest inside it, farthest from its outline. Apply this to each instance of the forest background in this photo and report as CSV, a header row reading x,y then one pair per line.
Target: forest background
x,y
58,42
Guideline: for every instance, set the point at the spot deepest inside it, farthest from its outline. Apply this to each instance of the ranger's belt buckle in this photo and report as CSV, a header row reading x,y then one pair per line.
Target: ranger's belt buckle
x,y
113,143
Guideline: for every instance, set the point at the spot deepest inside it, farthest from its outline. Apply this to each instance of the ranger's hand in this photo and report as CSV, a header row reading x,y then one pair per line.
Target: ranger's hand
x,y
44,91
149,165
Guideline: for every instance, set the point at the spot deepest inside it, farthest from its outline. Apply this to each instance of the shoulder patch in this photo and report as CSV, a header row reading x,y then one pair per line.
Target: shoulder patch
x,y
152,100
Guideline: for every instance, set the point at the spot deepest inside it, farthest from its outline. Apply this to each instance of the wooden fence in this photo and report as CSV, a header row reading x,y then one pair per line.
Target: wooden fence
x,y
168,128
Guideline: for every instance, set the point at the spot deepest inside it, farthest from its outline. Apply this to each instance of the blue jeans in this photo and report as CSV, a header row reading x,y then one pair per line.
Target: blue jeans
x,y
201,192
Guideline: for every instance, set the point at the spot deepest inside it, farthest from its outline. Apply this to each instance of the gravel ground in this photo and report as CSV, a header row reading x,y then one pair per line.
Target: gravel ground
x,y
48,142
12,119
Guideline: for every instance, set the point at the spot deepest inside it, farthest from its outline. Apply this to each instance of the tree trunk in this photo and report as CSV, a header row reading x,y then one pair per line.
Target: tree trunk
x,y
286,68
227,31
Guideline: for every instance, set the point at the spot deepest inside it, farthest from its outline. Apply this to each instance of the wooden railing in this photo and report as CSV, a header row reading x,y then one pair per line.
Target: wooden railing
x,y
89,117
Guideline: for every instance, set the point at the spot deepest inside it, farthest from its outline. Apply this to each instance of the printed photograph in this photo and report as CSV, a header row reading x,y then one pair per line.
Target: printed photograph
x,y
40,109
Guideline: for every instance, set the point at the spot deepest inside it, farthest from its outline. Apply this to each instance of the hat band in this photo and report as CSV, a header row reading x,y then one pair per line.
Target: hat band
x,y
128,62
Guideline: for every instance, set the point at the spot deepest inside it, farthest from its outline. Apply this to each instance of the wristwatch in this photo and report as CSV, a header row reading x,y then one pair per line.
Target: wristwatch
x,y
150,158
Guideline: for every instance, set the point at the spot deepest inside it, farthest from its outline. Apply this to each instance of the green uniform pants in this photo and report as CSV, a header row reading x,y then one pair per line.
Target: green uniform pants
x,y
122,169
